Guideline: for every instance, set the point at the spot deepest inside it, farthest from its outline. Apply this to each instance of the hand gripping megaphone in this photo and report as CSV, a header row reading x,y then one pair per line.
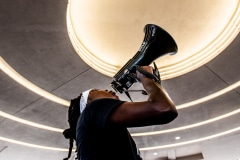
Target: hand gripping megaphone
x,y
157,42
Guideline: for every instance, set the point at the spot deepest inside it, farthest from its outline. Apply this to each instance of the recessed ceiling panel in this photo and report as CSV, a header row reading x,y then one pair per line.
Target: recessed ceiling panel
x,y
106,34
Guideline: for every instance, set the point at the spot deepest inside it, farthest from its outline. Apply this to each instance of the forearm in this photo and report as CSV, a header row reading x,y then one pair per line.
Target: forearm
x,y
155,90
159,109
160,101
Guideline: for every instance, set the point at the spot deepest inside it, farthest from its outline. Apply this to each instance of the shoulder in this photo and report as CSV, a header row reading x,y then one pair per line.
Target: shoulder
x,y
98,111
103,105
105,102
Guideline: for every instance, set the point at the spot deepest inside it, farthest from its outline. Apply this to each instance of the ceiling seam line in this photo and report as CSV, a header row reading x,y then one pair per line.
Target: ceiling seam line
x,y
221,78
40,97
27,105
50,92
216,74
70,80
4,147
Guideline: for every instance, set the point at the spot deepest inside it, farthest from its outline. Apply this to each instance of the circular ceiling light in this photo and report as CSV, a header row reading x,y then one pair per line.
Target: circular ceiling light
x,y
106,34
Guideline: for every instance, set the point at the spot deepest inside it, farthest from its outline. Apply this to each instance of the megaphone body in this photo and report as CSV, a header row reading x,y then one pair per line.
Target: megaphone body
x,y
157,42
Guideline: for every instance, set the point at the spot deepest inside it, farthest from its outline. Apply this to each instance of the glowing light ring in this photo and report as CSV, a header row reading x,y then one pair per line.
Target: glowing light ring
x,y
192,141
209,97
23,121
29,85
142,149
188,126
31,145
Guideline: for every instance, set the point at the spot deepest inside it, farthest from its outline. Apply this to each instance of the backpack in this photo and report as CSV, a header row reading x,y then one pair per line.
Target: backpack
x,y
73,115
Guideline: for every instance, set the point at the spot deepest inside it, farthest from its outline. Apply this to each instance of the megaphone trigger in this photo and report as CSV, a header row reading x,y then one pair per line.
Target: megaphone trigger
x,y
156,72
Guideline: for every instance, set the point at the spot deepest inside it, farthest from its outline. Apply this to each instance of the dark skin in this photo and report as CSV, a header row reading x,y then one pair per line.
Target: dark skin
x,y
158,109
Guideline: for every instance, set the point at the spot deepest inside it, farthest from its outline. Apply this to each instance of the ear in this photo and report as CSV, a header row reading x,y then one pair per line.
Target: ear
x,y
90,98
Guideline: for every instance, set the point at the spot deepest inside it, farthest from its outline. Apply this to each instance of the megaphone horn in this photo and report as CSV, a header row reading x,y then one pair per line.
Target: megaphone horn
x,y
157,42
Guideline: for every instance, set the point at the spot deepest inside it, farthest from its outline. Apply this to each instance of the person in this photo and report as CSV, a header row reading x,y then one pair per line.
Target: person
x,y
101,132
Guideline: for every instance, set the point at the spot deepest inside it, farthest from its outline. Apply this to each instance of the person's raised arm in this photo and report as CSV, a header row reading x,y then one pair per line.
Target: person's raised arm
x,y
158,109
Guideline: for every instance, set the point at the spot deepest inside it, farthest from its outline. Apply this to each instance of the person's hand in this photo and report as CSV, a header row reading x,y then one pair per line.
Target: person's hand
x,y
141,76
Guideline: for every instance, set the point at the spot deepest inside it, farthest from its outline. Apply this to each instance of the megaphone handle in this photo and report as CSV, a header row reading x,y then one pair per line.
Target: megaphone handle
x,y
149,75
156,72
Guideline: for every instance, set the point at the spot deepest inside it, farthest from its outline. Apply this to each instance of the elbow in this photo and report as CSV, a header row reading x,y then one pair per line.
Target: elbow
x,y
168,115
171,115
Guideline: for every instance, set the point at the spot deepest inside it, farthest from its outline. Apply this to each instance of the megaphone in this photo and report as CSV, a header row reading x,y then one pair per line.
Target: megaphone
x,y
157,42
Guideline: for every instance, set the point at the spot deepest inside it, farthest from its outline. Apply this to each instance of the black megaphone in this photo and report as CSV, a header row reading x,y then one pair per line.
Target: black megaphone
x,y
157,42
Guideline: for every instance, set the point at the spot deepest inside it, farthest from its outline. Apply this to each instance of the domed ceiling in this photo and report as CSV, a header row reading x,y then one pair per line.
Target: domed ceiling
x,y
107,34
51,51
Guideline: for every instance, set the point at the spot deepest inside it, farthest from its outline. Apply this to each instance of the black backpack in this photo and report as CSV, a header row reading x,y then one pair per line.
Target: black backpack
x,y
73,115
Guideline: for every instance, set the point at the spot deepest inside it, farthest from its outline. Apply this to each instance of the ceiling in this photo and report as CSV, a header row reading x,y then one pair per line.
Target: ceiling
x,y
106,34
36,45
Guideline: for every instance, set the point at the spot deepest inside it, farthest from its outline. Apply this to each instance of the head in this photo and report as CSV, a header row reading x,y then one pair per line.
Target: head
x,y
99,94
94,94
